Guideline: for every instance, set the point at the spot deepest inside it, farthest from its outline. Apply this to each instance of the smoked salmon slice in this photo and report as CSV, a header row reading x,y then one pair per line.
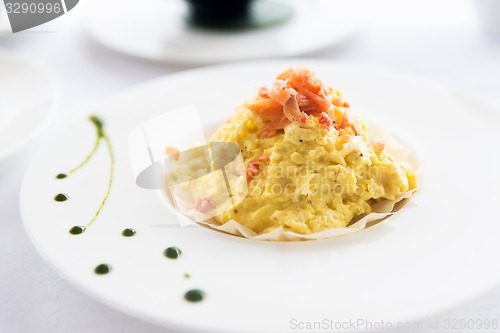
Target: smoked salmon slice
x,y
295,94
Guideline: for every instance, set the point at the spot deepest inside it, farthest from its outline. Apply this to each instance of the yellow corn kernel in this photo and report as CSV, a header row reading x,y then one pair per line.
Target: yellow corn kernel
x,y
339,116
412,181
250,126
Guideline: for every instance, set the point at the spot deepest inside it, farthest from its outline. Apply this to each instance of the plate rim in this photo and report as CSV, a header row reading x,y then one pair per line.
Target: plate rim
x,y
92,32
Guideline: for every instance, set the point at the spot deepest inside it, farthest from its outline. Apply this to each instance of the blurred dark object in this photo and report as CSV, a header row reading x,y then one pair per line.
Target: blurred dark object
x,y
219,13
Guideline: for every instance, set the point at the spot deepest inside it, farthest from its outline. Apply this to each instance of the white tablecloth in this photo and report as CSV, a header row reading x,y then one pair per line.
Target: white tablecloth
x,y
438,39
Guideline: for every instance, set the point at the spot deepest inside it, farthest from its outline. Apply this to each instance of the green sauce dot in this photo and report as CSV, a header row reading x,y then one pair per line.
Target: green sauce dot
x,y
61,176
129,232
187,276
172,252
61,197
77,229
194,295
102,269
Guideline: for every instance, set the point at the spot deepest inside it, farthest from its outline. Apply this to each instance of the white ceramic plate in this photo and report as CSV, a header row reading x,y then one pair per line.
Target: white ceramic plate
x,y
156,30
26,98
439,251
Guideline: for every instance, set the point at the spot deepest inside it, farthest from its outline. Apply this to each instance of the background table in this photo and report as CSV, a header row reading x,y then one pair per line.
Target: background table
x,y
438,39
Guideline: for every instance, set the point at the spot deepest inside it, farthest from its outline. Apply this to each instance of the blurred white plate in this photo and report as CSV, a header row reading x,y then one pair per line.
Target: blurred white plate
x,y
26,98
5,28
156,30
413,265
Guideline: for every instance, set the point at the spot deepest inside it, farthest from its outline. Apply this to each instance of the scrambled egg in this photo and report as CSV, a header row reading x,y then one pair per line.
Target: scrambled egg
x,y
310,165
314,178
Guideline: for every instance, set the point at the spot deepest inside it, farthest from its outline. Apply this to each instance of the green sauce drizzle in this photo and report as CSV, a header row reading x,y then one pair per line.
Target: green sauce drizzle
x,y
99,125
77,229
129,232
194,295
102,269
100,137
172,252
61,197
